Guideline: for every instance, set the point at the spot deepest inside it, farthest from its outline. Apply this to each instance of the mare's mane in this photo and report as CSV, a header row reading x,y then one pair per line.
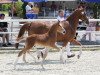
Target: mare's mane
x,y
72,15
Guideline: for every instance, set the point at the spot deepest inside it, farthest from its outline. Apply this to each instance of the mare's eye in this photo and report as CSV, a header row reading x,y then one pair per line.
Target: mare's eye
x,y
82,12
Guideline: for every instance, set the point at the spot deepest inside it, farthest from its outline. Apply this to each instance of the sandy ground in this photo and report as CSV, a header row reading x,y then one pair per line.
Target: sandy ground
x,y
89,63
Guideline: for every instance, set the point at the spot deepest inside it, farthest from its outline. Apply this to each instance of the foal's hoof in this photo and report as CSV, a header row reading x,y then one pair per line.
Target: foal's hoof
x,y
78,56
14,67
26,62
34,61
62,61
42,67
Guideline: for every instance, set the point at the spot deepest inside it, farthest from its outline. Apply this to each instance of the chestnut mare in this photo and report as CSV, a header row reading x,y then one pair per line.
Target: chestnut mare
x,y
47,39
70,26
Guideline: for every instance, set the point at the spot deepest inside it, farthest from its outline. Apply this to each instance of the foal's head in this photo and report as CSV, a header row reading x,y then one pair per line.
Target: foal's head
x,y
57,27
60,28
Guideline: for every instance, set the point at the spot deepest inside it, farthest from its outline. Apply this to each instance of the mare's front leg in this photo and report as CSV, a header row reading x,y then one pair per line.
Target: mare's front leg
x,y
74,41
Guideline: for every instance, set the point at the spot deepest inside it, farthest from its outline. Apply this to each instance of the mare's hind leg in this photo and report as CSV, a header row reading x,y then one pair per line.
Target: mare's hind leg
x,y
78,43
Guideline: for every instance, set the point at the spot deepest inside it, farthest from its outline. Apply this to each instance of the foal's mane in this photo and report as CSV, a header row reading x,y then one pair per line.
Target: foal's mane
x,y
53,29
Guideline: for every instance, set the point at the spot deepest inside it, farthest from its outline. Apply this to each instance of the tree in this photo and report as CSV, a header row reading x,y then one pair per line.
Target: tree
x,y
19,9
24,10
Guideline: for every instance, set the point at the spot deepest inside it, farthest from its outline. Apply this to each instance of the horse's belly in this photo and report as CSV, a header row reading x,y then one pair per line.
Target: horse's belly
x,y
42,45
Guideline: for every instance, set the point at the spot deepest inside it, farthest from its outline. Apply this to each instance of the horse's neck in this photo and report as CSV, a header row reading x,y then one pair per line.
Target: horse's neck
x,y
73,21
53,30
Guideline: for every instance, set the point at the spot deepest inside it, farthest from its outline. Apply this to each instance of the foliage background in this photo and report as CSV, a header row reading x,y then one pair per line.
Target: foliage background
x,y
6,7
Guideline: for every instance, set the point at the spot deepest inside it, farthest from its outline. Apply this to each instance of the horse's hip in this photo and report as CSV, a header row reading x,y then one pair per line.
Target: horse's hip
x,y
37,31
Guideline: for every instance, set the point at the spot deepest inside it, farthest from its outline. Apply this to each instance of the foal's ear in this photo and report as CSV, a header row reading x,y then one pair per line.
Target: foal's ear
x,y
58,22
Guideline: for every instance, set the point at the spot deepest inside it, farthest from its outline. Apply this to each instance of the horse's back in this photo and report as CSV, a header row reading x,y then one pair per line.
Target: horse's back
x,y
39,27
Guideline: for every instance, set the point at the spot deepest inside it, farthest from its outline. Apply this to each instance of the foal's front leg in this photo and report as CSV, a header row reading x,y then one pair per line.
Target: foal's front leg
x,y
24,58
43,54
42,63
61,53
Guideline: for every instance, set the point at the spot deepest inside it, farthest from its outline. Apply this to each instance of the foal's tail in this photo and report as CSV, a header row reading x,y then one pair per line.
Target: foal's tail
x,y
24,28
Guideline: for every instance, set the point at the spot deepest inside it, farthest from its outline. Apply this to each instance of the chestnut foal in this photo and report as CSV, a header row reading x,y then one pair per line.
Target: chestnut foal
x,y
47,40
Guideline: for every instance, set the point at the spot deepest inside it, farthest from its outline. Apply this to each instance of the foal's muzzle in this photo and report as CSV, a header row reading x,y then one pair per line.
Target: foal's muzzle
x,y
64,32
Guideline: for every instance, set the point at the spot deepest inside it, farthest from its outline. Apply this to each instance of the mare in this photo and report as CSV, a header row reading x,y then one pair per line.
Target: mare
x,y
70,25
47,39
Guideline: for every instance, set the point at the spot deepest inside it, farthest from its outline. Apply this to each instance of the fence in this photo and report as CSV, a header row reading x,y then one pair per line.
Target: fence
x,y
12,21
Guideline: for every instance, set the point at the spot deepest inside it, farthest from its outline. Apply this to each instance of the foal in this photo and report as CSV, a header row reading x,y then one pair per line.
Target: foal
x,y
48,40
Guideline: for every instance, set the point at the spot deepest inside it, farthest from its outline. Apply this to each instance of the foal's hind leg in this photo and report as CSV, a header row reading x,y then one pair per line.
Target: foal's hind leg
x,y
28,46
78,43
20,53
24,56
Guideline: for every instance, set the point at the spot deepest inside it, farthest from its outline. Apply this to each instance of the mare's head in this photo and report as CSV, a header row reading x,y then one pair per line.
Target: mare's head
x,y
82,15
79,13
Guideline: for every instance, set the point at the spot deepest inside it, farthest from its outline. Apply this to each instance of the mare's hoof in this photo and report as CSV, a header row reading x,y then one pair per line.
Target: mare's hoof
x,y
69,56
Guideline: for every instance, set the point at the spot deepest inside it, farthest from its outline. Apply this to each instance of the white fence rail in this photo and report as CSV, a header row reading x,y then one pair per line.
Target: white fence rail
x,y
27,20
97,33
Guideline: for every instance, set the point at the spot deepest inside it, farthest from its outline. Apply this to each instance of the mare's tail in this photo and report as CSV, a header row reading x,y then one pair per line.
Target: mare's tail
x,y
24,28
